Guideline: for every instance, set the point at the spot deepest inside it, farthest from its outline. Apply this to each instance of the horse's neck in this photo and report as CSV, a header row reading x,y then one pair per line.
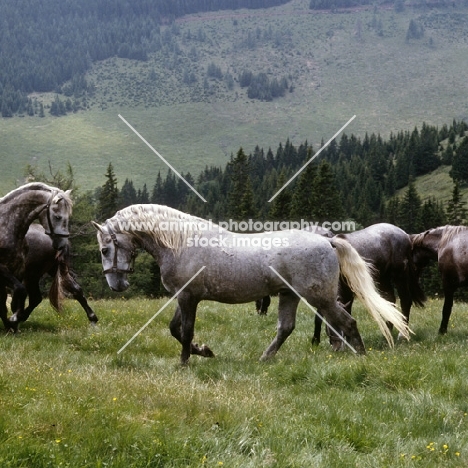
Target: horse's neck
x,y
18,214
431,245
156,251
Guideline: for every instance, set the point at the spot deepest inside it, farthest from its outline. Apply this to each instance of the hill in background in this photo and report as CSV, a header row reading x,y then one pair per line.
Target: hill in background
x,y
186,98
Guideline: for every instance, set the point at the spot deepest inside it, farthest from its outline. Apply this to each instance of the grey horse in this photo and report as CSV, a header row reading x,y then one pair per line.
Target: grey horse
x,y
42,259
18,209
199,261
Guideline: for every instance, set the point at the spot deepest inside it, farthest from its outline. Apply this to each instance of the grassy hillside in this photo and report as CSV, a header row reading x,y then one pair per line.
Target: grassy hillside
x,y
339,64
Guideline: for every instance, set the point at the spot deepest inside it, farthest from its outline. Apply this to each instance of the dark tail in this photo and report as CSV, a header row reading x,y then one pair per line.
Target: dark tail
x,y
62,275
418,296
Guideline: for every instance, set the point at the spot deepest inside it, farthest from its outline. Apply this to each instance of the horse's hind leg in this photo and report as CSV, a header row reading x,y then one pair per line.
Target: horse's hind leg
x,y
176,331
406,300
288,302
346,299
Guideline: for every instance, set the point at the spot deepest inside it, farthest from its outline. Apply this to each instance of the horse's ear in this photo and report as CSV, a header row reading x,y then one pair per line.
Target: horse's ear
x,y
97,226
68,192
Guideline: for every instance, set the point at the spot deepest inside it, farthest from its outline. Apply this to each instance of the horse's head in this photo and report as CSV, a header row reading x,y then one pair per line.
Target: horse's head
x,y
425,247
54,218
118,254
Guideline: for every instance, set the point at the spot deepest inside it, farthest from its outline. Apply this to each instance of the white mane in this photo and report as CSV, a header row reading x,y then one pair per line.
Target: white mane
x,y
167,226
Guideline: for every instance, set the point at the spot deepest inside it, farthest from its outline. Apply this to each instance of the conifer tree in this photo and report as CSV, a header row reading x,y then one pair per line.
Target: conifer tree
x,y
432,214
128,195
170,190
238,196
301,202
459,170
246,205
143,197
392,211
410,208
326,201
456,212
157,195
109,196
280,205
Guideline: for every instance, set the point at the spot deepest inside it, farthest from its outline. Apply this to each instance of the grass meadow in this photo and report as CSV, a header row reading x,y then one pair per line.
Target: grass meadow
x,y
68,399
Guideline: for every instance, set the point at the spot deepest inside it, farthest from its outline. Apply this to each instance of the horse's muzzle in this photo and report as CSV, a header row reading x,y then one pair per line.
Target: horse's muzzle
x,y
117,283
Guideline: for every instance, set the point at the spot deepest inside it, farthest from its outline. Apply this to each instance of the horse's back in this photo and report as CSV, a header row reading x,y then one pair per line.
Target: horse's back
x,y
306,261
383,244
453,258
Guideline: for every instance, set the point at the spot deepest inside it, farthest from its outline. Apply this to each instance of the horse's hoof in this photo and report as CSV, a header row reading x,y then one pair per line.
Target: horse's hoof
x,y
13,329
402,337
205,351
266,357
337,345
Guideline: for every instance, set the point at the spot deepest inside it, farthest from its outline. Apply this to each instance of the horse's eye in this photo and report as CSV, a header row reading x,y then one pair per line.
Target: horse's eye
x,y
58,217
104,251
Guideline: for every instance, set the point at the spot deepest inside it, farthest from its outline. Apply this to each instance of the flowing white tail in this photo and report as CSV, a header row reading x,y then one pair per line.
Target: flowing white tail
x,y
358,276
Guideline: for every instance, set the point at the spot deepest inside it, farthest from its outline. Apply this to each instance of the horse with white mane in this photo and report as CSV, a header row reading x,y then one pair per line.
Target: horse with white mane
x,y
240,269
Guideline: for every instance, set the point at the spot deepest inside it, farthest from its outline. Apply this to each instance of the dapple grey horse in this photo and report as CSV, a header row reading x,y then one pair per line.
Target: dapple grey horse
x,y
199,261
42,259
18,209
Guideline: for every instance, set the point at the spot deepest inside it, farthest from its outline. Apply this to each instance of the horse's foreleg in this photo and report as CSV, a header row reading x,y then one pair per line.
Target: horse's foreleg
x,y
18,300
447,309
176,331
337,317
34,297
3,308
317,330
70,286
19,295
183,326
288,302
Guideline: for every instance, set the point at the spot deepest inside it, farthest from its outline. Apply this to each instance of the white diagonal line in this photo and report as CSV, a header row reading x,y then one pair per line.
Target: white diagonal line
x,y
313,310
312,158
162,159
161,309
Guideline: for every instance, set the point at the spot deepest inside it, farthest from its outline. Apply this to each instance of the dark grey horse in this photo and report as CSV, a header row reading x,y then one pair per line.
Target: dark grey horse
x,y
388,249
448,245
201,261
18,209
43,259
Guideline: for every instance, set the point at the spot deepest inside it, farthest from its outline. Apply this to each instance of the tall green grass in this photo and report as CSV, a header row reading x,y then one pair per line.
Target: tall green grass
x,y
68,399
